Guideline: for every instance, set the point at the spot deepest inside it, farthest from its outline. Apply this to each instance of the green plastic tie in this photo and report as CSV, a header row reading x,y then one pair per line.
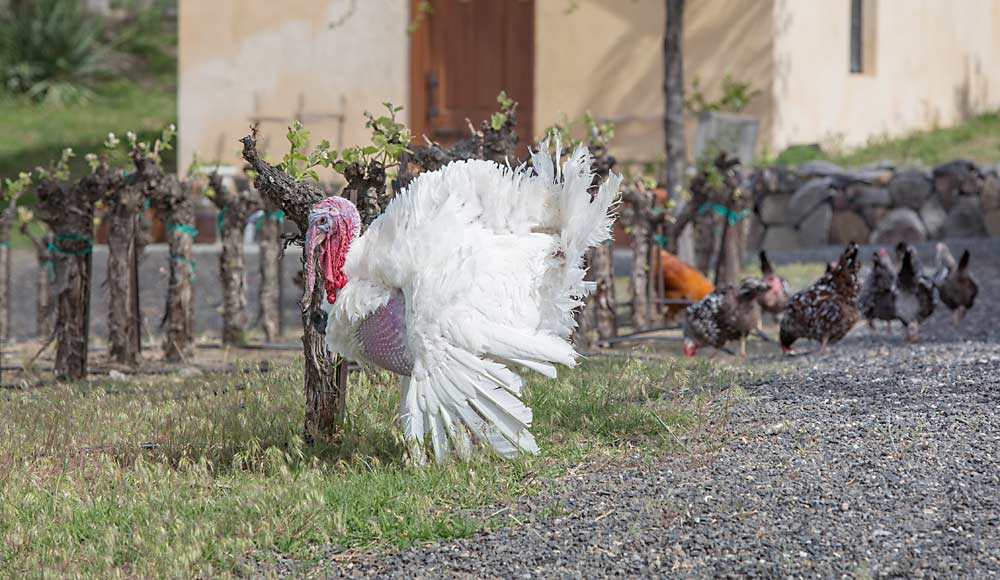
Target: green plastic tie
x,y
191,264
219,218
189,230
79,237
4,244
661,240
733,217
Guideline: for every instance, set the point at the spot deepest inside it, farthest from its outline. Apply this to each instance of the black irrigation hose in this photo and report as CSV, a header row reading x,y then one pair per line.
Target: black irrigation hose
x,y
258,346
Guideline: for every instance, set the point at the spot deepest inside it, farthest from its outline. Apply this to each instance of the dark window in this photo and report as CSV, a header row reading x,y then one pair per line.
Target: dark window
x,y
856,38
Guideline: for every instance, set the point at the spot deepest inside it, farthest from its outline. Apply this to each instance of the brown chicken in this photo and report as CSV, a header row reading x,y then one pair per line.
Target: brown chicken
x,y
681,282
729,313
827,310
956,287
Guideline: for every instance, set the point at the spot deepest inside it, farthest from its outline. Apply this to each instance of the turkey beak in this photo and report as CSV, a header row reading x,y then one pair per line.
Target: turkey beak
x,y
314,238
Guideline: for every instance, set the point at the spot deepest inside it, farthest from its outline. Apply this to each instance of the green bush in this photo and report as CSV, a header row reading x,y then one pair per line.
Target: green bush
x,y
52,50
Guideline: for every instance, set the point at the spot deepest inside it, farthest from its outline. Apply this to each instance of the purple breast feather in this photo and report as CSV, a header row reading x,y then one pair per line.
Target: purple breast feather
x,y
382,336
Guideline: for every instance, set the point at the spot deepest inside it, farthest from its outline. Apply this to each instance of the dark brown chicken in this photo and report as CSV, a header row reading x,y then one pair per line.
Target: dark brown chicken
x,y
956,286
827,310
729,313
914,292
878,293
773,301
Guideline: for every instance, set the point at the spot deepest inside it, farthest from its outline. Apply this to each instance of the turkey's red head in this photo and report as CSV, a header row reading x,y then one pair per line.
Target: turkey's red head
x,y
690,347
333,225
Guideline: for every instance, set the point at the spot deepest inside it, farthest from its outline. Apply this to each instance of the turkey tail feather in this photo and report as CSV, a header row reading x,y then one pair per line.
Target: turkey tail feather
x,y
466,395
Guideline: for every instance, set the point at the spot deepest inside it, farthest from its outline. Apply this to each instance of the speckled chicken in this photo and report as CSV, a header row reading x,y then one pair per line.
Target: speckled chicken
x,y
773,301
914,292
827,310
956,286
729,313
878,293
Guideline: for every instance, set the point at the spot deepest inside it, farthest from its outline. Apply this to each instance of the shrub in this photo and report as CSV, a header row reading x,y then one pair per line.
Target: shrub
x,y
52,50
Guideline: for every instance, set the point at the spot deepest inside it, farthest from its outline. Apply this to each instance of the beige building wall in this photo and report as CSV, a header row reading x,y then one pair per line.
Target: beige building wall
x,y
606,57
935,62
246,58
931,64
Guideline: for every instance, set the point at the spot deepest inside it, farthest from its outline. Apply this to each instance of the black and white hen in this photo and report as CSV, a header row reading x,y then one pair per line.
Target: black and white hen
x,y
956,286
914,292
827,310
728,313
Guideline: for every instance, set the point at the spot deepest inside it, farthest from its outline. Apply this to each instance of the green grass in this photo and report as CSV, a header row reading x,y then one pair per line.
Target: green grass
x,y
192,477
42,131
978,139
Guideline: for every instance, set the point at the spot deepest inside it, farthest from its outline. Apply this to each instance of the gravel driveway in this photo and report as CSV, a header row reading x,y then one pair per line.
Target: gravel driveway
x,y
879,459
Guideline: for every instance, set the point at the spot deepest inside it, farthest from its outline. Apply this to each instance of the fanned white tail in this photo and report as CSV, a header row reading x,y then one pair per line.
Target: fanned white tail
x,y
490,264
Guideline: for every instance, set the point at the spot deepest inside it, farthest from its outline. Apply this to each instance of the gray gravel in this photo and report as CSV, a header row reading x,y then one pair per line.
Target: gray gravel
x,y
879,459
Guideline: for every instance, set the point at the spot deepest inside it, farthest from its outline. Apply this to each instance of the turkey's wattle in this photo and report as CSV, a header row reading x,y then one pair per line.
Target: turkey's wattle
x,y
382,336
333,225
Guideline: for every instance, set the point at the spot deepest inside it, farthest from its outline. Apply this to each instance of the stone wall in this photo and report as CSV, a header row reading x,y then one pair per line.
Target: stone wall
x,y
819,203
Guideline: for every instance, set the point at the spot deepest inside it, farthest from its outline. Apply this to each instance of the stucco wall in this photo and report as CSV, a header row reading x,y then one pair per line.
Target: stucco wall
x,y
936,62
235,53
606,56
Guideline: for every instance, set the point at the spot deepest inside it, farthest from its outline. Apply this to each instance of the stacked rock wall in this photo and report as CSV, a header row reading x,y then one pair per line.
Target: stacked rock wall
x,y
819,203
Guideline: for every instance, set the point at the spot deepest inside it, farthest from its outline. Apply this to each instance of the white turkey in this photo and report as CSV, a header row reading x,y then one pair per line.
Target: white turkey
x,y
472,268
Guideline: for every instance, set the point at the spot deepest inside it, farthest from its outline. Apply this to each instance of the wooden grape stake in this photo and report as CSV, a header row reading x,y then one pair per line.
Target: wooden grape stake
x,y
43,280
601,258
288,187
7,217
639,217
235,206
174,201
325,402
68,209
9,194
124,202
44,275
270,270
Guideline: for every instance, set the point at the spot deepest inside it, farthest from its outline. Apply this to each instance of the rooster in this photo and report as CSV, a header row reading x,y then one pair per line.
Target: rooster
x,y
470,269
956,287
729,313
827,310
914,292
681,282
773,301
878,294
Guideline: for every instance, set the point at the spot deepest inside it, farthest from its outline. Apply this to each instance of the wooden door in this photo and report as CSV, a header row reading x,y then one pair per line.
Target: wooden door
x,y
462,54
